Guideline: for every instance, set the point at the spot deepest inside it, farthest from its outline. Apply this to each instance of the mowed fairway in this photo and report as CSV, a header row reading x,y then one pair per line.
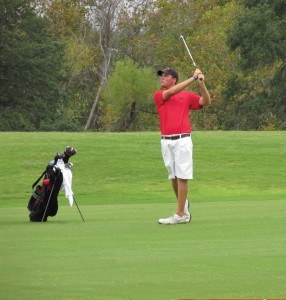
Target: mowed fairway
x,y
235,246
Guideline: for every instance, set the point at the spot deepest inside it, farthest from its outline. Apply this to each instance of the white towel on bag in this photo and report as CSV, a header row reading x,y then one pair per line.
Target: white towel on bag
x,y
67,181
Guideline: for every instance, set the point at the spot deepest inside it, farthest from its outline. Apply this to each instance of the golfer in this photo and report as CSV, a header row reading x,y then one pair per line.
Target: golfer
x,y
173,104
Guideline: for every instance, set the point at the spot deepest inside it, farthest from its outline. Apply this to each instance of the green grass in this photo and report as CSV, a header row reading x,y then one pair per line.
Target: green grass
x,y
235,246
128,168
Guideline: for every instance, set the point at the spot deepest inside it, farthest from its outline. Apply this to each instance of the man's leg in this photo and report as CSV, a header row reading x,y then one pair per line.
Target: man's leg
x,y
180,187
175,186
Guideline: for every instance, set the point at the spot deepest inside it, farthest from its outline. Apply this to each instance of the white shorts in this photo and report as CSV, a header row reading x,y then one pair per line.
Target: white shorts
x,y
178,157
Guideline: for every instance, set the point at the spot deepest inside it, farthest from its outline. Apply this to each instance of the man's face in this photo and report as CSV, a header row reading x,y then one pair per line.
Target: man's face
x,y
167,81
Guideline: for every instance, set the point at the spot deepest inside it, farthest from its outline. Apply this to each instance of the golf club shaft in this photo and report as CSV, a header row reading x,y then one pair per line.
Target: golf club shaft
x,y
48,203
189,53
186,46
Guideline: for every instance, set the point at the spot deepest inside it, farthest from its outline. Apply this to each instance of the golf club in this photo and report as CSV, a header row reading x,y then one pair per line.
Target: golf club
x,y
186,46
51,193
182,38
48,203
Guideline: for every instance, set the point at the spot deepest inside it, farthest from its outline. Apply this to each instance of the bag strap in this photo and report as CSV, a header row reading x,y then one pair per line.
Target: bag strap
x,y
36,182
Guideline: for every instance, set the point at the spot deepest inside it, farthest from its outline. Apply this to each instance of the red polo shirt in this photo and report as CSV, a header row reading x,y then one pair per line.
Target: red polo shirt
x,y
174,112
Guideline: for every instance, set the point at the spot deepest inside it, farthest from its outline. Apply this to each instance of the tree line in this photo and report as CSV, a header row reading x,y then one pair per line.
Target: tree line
x,y
73,65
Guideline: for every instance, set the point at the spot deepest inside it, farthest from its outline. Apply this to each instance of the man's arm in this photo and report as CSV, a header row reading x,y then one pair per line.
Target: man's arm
x,y
205,99
180,86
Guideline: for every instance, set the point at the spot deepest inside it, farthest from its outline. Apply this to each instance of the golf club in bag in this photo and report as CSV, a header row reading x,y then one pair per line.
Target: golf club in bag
x,y
57,175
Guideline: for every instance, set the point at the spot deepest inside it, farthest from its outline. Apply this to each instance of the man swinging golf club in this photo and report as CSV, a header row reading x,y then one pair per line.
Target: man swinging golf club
x,y
173,103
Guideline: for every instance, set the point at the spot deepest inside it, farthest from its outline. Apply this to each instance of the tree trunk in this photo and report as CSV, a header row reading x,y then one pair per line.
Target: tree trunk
x,y
132,115
91,114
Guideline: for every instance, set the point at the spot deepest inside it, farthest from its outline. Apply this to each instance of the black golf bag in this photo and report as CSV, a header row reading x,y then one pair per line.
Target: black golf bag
x,y
44,200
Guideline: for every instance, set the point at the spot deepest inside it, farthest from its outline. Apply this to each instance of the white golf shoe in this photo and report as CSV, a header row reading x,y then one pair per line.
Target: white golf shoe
x,y
187,210
175,219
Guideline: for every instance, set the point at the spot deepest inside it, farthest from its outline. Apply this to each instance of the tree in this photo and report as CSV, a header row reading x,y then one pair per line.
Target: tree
x,y
259,33
130,89
103,16
204,25
30,65
258,36
70,25
208,43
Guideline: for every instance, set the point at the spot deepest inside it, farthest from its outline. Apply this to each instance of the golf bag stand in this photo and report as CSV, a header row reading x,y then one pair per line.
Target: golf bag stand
x,y
78,209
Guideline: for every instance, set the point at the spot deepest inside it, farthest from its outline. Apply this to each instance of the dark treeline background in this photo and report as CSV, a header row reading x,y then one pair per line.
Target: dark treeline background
x,y
71,65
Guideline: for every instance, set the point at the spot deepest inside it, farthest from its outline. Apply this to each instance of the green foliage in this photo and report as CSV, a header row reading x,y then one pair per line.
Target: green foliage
x,y
204,26
279,6
207,42
53,59
278,96
259,33
130,90
61,124
248,101
258,36
30,64
83,55
67,16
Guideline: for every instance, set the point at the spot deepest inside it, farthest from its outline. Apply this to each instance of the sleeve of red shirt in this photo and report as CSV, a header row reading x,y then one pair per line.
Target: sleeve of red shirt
x,y
194,101
158,97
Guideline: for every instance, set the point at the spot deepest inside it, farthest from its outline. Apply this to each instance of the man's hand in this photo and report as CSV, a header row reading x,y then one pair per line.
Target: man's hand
x,y
199,75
